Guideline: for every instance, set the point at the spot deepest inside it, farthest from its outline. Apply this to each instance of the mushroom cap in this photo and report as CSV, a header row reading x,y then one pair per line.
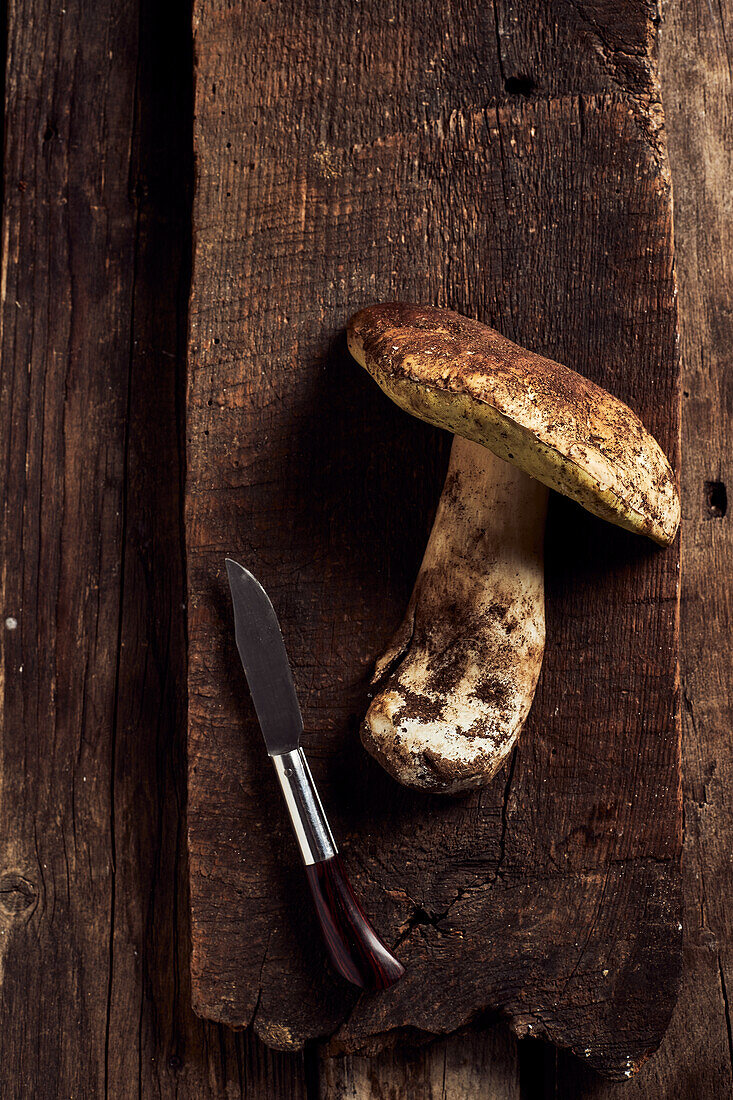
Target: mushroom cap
x,y
543,417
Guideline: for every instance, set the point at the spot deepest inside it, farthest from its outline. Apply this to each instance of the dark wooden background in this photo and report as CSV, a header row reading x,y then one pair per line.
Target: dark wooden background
x,y
95,245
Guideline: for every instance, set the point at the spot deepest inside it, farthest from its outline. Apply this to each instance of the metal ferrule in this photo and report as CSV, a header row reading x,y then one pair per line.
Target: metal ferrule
x,y
304,806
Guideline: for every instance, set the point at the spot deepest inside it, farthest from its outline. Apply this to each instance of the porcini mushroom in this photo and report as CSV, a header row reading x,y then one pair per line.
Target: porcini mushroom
x,y
457,681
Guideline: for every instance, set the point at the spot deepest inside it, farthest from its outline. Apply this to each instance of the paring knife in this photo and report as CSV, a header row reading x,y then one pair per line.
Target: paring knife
x,y
355,950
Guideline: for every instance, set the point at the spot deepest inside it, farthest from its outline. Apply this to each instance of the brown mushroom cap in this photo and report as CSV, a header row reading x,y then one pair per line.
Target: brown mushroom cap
x,y
543,417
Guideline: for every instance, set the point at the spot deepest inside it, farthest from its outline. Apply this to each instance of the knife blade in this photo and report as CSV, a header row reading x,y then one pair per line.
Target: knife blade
x,y
265,662
355,950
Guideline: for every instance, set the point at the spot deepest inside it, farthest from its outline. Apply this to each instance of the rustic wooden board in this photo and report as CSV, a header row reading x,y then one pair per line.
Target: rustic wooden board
x,y
696,65
483,1066
514,169
94,987
695,1060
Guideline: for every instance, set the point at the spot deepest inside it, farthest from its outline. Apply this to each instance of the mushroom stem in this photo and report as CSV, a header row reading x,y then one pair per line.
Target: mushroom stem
x,y
457,681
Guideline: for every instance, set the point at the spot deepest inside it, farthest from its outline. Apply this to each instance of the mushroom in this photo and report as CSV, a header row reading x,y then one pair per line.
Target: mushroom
x,y
456,683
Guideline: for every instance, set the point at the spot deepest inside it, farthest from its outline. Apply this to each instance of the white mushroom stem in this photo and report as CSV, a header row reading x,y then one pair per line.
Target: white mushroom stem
x,y
457,681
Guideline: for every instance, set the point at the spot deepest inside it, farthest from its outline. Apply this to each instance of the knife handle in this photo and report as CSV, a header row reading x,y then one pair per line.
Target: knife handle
x,y
355,950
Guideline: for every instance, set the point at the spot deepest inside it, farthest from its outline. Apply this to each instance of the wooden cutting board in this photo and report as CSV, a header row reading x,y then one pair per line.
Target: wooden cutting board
x,y
509,162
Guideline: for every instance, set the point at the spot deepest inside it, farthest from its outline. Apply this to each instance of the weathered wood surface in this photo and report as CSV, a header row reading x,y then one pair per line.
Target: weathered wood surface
x,y
511,167
695,1061
696,1058
481,1065
94,987
697,87
53,1004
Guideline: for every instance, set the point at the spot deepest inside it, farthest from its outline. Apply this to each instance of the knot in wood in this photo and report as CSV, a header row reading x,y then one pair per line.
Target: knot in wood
x,y
17,893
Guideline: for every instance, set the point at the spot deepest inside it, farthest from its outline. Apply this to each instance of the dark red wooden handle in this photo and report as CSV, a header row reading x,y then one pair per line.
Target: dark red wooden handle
x,y
355,949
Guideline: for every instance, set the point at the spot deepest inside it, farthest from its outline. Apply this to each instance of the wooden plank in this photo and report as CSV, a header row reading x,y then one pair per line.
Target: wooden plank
x,y
697,70
94,991
67,255
339,155
696,1058
475,1065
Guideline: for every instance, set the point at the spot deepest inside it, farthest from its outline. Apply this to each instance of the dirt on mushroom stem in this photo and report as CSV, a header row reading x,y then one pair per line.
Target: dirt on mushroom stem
x,y
455,687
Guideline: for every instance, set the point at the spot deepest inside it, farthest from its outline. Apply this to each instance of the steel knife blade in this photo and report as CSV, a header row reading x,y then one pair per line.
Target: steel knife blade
x,y
266,666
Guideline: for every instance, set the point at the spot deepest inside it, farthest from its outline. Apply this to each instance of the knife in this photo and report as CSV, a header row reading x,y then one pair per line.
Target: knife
x,y
355,950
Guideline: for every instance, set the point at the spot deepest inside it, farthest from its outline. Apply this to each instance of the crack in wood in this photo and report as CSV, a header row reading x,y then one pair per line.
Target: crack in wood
x,y
726,1007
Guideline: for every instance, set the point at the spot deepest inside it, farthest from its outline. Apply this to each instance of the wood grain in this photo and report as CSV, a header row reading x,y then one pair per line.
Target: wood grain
x,y
697,70
471,1066
43,1048
696,1058
94,990
345,157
